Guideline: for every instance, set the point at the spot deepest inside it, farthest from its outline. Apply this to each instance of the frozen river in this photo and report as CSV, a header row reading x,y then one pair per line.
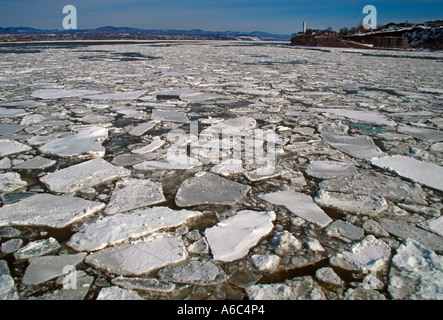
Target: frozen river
x,y
222,170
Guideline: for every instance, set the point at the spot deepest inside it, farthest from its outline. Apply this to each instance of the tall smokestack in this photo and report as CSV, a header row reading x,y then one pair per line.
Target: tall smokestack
x,y
304,26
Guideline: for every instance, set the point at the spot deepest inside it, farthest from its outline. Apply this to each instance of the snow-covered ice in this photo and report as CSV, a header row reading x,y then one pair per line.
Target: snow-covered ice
x,y
370,254
416,273
158,177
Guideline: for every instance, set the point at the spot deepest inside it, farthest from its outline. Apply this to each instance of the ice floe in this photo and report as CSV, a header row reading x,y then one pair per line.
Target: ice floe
x,y
141,129
11,181
370,254
116,293
132,194
61,93
360,115
87,143
425,134
228,167
328,275
37,248
11,246
434,225
170,163
43,269
8,290
48,210
426,173
209,188
93,175
416,273
83,175
232,238
344,231
155,252
169,116
130,95
378,185
11,113
284,242
36,163
193,272
5,164
143,284
302,288
299,204
154,145
361,147
124,226
9,128
328,169
9,147
405,230
357,204
265,262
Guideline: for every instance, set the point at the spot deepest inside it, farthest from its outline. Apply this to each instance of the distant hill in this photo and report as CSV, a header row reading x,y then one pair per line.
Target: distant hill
x,y
24,30
110,30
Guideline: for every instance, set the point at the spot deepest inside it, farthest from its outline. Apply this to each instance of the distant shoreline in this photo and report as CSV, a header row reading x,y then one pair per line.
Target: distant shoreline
x,y
104,42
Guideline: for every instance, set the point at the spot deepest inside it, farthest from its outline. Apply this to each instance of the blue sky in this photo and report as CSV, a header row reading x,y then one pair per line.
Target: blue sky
x,y
279,16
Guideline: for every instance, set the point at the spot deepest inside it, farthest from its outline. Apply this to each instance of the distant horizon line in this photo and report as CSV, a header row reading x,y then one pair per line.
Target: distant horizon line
x,y
149,29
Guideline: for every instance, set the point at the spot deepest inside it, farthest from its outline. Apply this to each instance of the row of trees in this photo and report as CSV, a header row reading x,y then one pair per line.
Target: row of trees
x,y
357,29
360,29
